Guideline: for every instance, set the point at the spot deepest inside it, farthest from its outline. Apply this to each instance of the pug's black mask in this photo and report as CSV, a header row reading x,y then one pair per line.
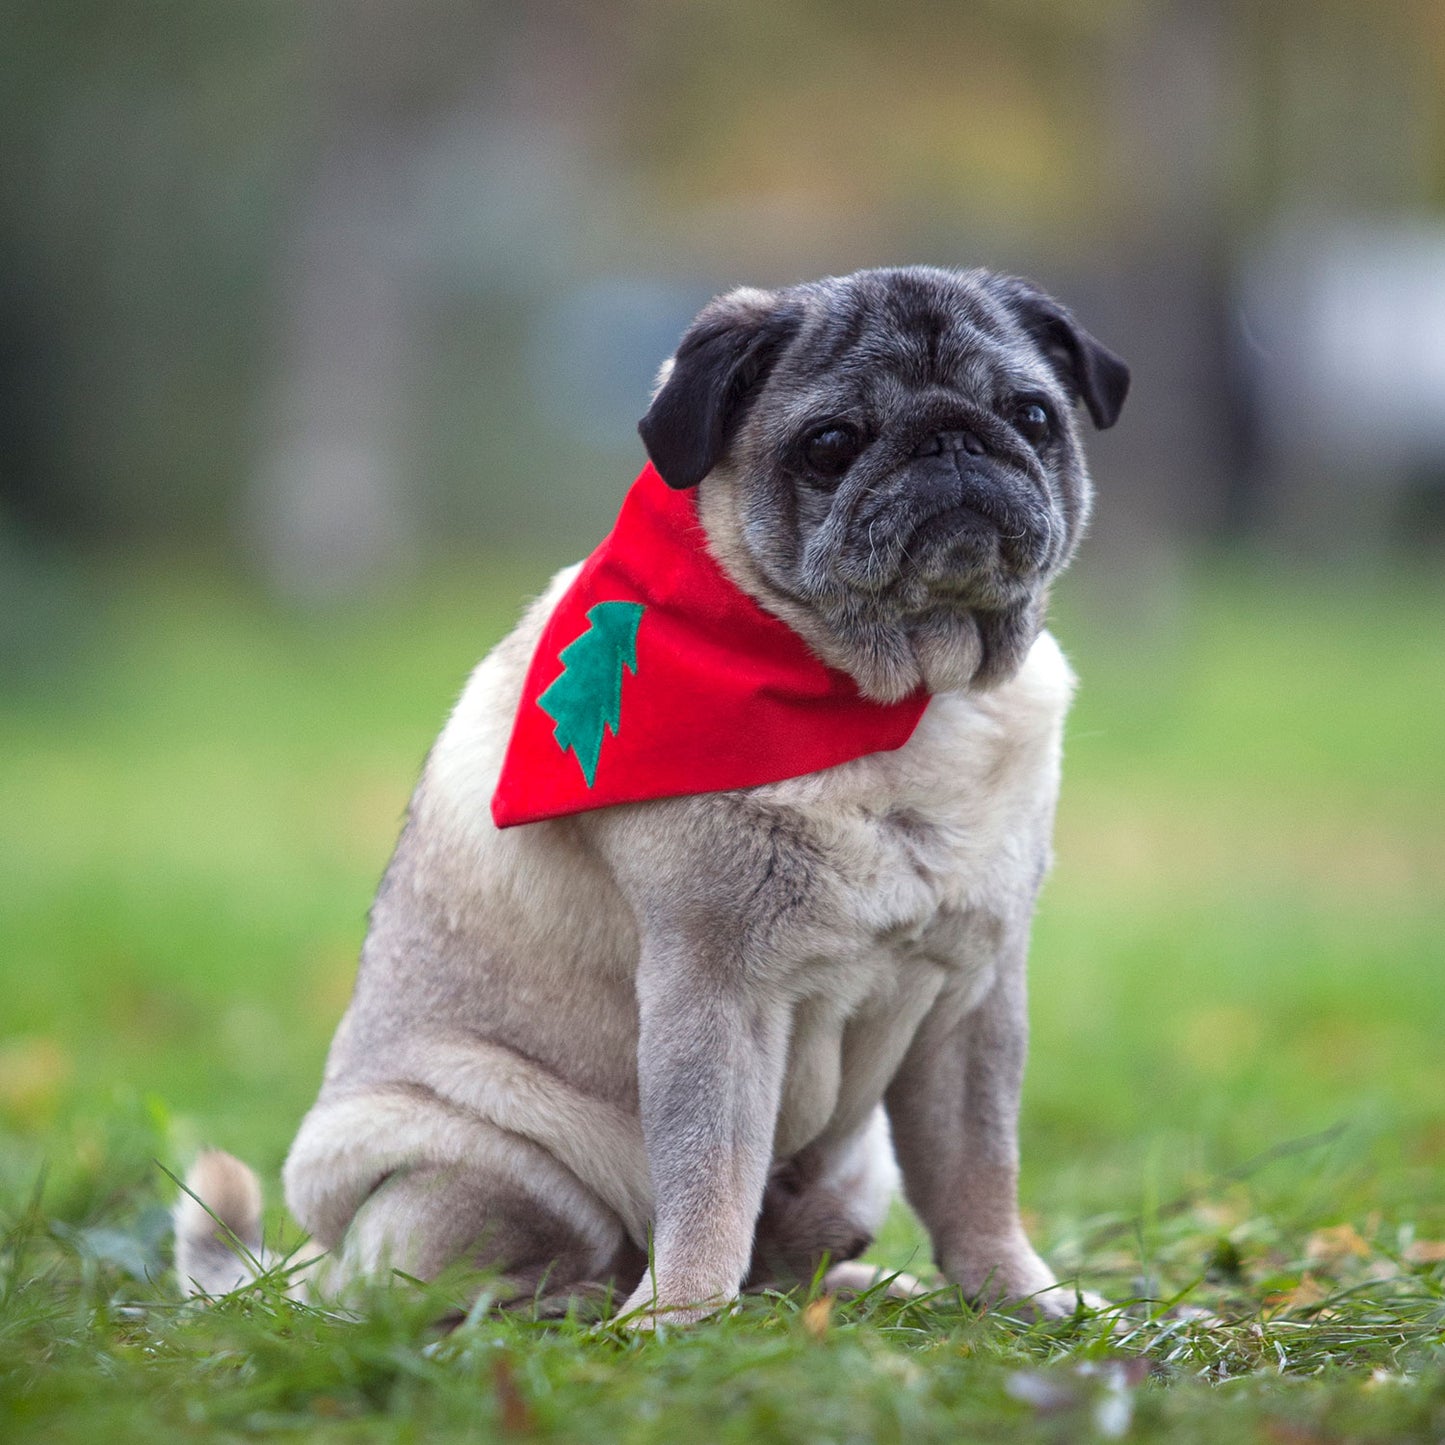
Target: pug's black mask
x,y
890,461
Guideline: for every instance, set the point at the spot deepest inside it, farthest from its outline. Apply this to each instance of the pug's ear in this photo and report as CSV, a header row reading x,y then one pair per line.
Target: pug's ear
x,y
1092,373
721,363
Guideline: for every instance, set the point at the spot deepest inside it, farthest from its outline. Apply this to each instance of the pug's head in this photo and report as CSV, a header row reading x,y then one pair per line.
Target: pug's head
x,y
890,461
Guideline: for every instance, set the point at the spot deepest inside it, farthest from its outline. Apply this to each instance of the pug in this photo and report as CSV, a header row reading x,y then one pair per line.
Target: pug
x,y
675,1041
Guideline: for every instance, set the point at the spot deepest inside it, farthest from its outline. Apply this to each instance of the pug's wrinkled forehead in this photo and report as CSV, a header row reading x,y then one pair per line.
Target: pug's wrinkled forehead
x,y
914,331
870,337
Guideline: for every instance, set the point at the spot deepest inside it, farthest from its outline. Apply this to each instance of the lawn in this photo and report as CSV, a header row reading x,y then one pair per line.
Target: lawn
x,y
1236,1094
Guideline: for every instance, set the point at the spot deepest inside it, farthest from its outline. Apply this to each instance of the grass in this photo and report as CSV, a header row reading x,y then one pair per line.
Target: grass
x,y
1235,1095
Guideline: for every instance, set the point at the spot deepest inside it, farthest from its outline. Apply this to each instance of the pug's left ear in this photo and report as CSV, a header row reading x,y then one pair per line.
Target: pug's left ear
x,y
1093,373
722,361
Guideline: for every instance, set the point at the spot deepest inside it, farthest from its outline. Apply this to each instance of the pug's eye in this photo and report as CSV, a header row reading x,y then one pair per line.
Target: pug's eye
x,y
1033,422
831,451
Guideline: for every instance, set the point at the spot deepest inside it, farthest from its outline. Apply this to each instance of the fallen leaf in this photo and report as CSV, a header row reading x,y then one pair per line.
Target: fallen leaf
x,y
1340,1241
1309,1291
817,1315
515,1415
1285,1432
33,1070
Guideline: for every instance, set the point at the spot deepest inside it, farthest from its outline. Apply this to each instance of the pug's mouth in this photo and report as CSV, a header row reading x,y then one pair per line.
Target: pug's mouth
x,y
965,552
961,526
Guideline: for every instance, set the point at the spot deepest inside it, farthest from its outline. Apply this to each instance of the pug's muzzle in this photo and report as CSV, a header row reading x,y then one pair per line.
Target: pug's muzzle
x,y
963,518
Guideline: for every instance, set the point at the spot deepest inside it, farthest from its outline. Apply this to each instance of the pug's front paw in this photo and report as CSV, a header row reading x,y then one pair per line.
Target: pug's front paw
x,y
647,1308
1009,1274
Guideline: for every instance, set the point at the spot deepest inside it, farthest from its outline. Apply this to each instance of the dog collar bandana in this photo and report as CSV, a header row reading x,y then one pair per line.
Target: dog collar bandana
x,y
657,676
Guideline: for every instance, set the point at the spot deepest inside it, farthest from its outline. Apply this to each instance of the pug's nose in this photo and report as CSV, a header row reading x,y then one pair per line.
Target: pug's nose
x,y
952,441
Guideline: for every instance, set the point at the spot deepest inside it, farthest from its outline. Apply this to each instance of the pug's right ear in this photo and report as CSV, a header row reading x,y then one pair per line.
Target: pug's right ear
x,y
720,365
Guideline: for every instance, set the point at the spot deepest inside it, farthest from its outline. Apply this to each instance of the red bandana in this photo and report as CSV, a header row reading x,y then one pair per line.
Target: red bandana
x,y
657,676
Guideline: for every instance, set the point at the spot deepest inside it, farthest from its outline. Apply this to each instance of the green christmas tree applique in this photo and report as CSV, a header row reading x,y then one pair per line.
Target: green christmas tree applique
x,y
587,695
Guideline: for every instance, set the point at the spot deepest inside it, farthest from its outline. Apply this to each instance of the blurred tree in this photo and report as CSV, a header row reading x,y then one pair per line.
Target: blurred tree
x,y
145,148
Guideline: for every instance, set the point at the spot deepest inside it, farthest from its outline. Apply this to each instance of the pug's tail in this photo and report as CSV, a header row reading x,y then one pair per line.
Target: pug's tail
x,y
218,1225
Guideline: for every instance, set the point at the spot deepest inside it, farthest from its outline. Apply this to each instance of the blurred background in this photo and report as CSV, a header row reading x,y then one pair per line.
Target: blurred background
x,y
321,286
324,329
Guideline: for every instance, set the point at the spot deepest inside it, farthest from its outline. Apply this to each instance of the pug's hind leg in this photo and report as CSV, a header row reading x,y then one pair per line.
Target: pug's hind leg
x,y
803,1226
853,1277
824,1207
543,1244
